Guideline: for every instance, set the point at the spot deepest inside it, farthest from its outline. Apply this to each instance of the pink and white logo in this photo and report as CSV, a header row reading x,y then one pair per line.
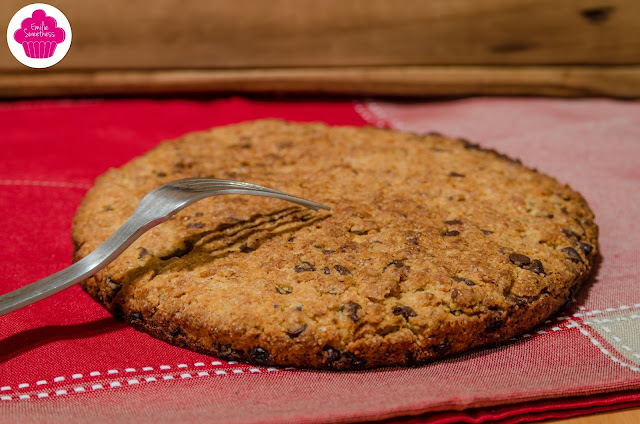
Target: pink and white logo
x,y
39,35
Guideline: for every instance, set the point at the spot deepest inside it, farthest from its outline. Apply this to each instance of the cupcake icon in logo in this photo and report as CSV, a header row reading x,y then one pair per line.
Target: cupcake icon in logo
x,y
39,35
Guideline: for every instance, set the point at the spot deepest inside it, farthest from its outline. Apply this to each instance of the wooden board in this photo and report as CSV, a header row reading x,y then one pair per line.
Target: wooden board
x,y
628,416
124,34
416,81
390,47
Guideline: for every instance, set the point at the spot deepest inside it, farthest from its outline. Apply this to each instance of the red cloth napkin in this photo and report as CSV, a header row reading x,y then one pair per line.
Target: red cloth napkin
x,y
65,359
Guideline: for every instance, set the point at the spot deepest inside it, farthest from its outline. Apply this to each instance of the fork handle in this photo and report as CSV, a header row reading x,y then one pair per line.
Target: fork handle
x,y
124,236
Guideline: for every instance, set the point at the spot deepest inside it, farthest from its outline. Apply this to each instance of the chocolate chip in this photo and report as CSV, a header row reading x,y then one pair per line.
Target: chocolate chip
x,y
333,355
342,270
405,311
226,353
195,225
353,359
572,291
144,252
295,333
586,248
198,214
136,317
304,267
570,233
396,263
519,260
495,325
463,280
455,294
176,332
410,358
116,310
246,249
520,301
572,255
351,310
298,308
284,290
456,174
326,270
161,174
259,355
113,288
291,239
550,216
536,266
451,233
486,232
440,348
453,222
349,247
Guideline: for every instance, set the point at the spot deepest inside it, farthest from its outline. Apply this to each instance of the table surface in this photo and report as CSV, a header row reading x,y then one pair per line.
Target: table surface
x,y
627,416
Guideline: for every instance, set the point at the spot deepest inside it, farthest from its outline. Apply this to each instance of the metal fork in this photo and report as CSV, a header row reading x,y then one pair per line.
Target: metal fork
x,y
154,208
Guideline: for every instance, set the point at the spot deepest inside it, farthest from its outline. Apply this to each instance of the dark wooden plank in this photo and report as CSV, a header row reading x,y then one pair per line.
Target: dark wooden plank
x,y
415,81
174,34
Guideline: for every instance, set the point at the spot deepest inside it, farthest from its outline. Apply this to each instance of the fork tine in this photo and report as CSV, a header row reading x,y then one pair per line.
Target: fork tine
x,y
206,183
278,195
214,186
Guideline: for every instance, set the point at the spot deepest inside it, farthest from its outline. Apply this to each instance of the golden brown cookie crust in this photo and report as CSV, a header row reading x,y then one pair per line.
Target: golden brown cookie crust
x,y
433,246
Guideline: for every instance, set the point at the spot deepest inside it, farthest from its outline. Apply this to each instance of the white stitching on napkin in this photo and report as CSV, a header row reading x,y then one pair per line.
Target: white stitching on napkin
x,y
7,395
596,342
132,382
606,310
601,321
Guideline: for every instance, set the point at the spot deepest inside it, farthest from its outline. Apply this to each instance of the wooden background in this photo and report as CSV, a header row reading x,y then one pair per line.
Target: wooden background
x,y
351,47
